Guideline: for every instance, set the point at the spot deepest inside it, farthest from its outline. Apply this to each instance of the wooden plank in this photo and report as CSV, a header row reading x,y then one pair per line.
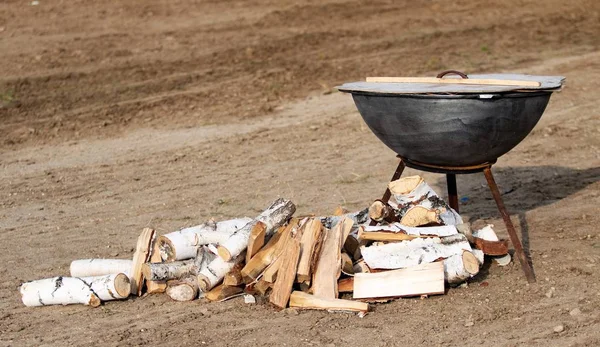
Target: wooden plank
x,y
286,274
384,236
308,244
141,255
424,279
328,268
303,300
476,81
256,240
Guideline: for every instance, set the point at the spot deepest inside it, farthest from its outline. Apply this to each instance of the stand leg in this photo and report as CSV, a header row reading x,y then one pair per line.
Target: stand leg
x,y
388,194
509,226
452,191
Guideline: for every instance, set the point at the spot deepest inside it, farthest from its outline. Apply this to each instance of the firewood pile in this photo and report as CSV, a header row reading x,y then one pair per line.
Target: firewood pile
x,y
411,245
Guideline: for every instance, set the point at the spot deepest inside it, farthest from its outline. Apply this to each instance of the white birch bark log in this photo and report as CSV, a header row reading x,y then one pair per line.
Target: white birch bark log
x,y
99,267
109,287
273,217
440,231
58,291
213,273
185,289
178,269
460,267
410,192
183,244
410,253
359,218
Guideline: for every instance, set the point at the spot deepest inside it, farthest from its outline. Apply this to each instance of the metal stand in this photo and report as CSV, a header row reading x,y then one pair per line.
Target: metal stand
x,y
451,173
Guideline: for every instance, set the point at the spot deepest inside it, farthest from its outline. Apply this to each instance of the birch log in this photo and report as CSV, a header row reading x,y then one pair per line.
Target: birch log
x,y
109,287
399,232
460,267
153,287
99,267
411,253
215,271
415,202
274,216
58,291
183,244
185,289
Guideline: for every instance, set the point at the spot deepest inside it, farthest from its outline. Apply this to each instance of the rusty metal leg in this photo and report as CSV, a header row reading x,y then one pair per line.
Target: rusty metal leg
x,y
509,226
452,191
388,194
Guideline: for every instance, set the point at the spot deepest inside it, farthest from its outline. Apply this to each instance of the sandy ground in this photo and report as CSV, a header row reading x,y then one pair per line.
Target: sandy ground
x,y
166,113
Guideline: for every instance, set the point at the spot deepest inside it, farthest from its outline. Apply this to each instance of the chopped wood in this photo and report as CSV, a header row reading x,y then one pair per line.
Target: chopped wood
x,y
99,267
380,211
399,232
109,287
492,247
303,300
270,273
153,287
346,265
328,268
141,255
339,211
256,240
358,217
352,247
169,271
274,216
361,267
223,292
460,267
183,244
58,291
346,285
308,244
185,289
211,275
262,287
234,276
424,279
286,274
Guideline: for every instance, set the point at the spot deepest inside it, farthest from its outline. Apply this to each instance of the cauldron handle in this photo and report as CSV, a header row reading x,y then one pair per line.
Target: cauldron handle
x,y
444,73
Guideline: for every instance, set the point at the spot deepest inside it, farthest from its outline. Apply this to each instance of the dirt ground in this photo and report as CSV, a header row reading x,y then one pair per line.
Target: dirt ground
x,y
120,115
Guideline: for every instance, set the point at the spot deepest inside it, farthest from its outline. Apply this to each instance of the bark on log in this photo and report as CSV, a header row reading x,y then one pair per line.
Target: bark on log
x,y
99,267
153,287
185,289
58,291
275,215
399,232
412,192
109,287
213,273
141,255
359,218
303,300
486,240
380,211
460,267
183,244
410,253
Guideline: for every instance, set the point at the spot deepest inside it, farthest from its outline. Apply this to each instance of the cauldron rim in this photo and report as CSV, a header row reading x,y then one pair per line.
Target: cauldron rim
x,y
488,96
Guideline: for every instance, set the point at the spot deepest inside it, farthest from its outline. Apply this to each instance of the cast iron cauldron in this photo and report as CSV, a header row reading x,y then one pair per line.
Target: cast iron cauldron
x,y
451,130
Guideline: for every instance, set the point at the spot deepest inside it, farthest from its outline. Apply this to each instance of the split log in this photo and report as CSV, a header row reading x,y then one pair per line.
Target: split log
x,y
58,291
412,192
141,255
303,300
424,279
311,236
359,218
460,267
328,268
275,215
352,246
223,292
153,287
256,240
399,232
486,240
346,285
269,253
234,276
410,253
270,273
339,211
380,211
346,265
99,267
361,267
109,287
262,287
185,289
286,274
183,244
214,272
